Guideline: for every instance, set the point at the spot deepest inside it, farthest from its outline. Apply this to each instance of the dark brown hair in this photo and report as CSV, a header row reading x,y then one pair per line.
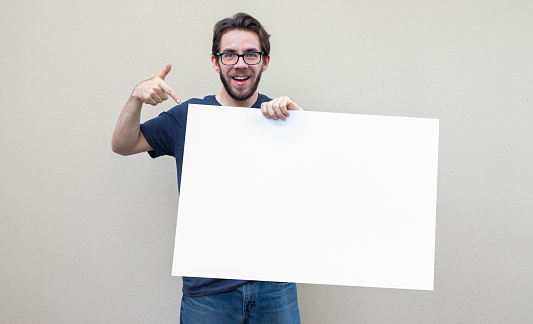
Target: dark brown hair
x,y
242,21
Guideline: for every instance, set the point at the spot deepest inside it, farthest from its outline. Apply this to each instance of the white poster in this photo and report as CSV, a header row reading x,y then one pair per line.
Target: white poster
x,y
323,198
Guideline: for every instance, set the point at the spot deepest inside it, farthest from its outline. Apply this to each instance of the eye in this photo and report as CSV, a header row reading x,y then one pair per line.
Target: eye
x,y
229,55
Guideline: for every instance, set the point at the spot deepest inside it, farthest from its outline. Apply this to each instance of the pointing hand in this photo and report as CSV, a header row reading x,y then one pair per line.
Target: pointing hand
x,y
155,90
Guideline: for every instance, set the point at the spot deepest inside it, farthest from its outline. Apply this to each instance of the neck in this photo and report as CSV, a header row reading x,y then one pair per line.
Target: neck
x,y
226,100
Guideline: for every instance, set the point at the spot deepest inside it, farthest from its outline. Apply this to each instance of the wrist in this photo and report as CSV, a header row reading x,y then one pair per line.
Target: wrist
x,y
135,100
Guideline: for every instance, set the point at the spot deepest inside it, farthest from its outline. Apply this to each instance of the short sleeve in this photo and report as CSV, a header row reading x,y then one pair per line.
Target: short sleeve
x,y
162,133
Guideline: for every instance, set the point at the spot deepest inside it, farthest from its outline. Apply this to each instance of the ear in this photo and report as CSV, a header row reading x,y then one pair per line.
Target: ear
x,y
266,61
214,61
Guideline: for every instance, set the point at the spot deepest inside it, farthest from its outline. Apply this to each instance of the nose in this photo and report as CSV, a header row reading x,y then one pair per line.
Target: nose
x,y
240,63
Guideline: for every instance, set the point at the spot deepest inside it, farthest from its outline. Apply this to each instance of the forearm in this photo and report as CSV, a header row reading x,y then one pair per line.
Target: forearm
x,y
127,131
127,137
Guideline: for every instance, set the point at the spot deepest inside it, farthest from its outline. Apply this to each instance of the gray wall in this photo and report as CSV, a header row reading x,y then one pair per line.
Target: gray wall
x,y
87,236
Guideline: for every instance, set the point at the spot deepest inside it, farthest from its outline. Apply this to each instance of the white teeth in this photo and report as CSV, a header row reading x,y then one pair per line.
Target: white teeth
x,y
241,78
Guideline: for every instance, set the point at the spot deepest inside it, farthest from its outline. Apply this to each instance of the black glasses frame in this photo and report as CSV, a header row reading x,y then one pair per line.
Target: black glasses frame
x,y
241,55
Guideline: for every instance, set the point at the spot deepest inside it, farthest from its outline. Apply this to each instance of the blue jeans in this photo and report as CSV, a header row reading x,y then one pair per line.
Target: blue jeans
x,y
254,302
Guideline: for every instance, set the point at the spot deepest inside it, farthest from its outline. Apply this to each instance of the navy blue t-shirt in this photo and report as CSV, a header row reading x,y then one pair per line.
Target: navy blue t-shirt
x,y
166,135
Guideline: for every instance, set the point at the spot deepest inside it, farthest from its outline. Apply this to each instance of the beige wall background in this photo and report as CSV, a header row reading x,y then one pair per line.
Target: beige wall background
x,y
87,236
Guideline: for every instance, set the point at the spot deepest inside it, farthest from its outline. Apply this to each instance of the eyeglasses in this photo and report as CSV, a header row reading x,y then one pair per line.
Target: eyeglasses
x,y
251,58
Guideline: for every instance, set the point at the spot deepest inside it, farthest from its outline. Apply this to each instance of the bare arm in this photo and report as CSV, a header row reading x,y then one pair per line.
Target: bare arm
x,y
127,137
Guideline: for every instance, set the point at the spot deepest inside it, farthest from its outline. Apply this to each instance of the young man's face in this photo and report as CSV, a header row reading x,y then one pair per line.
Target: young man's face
x,y
240,80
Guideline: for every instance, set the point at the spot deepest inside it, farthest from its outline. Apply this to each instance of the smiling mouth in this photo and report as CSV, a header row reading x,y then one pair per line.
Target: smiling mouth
x,y
240,78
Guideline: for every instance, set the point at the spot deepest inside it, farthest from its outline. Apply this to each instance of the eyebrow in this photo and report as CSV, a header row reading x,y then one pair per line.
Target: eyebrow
x,y
230,50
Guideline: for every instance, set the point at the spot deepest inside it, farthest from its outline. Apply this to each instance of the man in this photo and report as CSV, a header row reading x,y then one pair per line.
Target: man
x,y
240,53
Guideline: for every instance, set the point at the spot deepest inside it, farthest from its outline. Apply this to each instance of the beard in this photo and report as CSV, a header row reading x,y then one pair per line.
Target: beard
x,y
239,96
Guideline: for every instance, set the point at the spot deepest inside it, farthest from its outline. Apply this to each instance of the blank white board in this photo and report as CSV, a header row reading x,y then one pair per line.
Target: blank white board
x,y
322,198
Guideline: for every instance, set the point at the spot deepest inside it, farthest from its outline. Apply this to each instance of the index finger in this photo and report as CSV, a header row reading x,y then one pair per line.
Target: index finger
x,y
170,91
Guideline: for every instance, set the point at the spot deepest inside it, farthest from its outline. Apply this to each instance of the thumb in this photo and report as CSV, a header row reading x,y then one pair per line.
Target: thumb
x,y
291,105
165,71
